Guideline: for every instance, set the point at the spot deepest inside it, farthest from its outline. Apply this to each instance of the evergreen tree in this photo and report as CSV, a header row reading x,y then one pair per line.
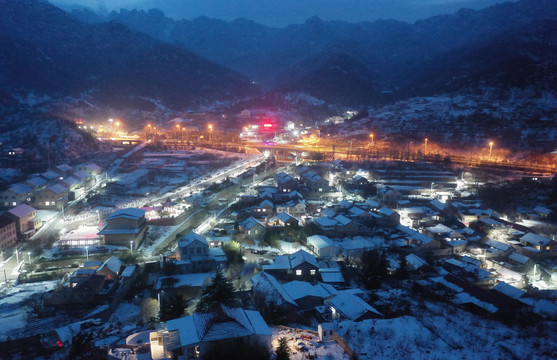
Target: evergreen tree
x,y
172,308
374,268
219,291
282,351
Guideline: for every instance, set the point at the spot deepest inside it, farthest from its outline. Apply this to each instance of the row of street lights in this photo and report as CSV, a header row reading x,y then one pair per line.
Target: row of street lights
x,y
491,143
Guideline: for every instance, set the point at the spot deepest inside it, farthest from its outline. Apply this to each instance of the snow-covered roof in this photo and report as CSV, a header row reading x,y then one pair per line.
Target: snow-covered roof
x,y
267,285
128,213
291,261
190,238
509,290
329,212
440,229
437,204
300,289
519,258
128,271
356,211
343,220
330,275
325,221
284,217
250,223
498,245
319,241
64,167
351,306
21,210
535,239
232,322
71,180
414,234
112,263
385,211
19,188
194,279
57,189
36,181
266,203
415,261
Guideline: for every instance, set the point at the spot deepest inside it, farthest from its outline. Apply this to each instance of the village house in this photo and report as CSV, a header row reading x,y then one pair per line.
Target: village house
x,y
63,170
322,246
26,220
300,265
286,183
125,227
192,336
252,228
8,233
50,176
37,184
16,195
53,197
195,256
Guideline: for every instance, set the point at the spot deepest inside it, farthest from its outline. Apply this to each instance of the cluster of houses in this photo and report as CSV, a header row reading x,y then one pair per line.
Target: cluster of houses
x,y
50,190
95,282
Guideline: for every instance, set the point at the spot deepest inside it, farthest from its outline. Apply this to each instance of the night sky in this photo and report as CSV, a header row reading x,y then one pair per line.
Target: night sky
x,y
283,12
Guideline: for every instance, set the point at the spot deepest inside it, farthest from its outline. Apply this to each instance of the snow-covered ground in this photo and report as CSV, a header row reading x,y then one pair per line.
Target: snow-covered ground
x,y
13,305
441,331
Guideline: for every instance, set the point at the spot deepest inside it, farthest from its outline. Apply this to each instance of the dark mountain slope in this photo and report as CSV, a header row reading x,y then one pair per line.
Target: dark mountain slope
x,y
51,52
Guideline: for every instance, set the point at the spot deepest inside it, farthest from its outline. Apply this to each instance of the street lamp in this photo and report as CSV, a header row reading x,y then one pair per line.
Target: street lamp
x,y
490,148
131,245
371,137
29,256
425,145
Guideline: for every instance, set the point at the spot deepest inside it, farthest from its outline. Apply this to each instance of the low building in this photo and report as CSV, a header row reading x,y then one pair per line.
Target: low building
x,y
252,227
8,233
26,220
190,337
125,227
53,197
195,256
300,265
16,195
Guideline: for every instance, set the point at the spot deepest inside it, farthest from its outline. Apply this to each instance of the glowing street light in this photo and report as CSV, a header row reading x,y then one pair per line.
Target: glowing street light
x,y
131,245
425,145
371,137
490,147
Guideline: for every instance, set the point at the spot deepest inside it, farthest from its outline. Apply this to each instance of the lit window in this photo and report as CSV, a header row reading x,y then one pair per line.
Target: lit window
x,y
320,189
312,272
47,203
299,272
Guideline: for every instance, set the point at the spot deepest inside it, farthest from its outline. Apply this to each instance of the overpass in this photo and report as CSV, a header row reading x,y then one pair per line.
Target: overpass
x,y
298,152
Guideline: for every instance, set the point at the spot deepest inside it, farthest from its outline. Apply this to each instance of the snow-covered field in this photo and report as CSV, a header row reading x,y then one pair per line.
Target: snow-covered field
x,y
13,305
441,331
